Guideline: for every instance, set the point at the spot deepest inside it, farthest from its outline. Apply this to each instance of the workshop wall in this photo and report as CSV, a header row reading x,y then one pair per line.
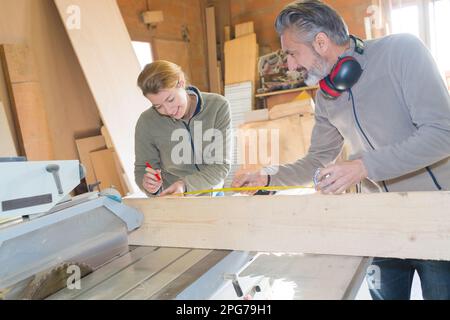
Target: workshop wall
x,y
71,110
264,12
177,15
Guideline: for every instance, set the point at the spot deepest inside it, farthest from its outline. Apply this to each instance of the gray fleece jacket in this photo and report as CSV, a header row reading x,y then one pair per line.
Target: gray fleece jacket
x,y
403,108
159,140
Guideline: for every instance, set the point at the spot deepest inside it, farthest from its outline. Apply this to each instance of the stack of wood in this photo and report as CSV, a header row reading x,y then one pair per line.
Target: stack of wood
x,y
27,103
241,56
37,132
293,123
102,165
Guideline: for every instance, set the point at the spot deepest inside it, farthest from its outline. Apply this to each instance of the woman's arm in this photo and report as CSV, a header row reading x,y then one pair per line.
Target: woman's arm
x,y
145,151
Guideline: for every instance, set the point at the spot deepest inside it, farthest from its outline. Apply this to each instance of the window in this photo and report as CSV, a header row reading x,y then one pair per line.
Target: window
x,y
439,12
430,21
143,52
406,20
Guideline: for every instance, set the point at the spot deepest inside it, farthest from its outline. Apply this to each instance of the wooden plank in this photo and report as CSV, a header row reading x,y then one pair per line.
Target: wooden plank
x,y
280,147
257,115
241,56
274,93
71,110
290,108
31,119
85,147
176,51
104,273
30,115
244,29
214,84
227,33
133,276
107,137
399,225
105,169
19,63
151,286
111,71
7,145
126,185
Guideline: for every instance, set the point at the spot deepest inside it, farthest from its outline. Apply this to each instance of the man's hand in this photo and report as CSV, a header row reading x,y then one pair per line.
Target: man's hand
x,y
150,182
252,179
176,188
336,178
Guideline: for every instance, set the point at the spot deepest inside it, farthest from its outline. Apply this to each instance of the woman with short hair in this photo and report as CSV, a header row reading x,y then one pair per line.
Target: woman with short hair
x,y
182,143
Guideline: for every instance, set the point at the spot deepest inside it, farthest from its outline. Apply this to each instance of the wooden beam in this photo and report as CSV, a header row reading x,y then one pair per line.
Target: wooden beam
x,y
111,69
399,225
214,83
244,29
241,57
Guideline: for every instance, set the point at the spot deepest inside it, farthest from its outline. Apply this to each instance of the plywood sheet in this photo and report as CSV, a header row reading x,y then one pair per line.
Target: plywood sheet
x,y
7,146
241,56
85,147
71,110
105,170
175,51
214,80
243,29
111,69
30,114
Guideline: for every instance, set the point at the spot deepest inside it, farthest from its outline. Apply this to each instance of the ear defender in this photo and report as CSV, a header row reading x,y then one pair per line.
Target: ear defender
x,y
344,75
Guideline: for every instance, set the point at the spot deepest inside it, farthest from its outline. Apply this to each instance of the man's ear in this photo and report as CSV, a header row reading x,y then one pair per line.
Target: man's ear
x,y
321,43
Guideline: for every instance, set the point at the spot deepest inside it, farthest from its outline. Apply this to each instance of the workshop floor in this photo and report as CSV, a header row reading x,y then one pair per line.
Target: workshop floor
x,y
416,291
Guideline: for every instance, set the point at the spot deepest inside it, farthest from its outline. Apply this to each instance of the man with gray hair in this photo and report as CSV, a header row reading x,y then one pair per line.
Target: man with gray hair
x,y
387,101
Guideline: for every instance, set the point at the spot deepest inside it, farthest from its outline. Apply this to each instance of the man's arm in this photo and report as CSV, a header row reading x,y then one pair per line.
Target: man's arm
x,y
326,144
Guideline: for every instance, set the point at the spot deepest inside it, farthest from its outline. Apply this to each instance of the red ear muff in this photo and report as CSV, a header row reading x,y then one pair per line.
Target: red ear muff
x,y
342,77
328,88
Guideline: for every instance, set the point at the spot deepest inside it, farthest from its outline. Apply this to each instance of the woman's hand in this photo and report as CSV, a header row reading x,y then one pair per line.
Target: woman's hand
x,y
177,188
250,179
150,182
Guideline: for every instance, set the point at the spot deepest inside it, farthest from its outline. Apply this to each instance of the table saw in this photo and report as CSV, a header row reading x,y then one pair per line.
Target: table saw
x,y
46,235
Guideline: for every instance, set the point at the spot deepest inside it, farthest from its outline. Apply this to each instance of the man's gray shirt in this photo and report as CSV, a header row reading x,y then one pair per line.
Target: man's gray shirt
x,y
402,106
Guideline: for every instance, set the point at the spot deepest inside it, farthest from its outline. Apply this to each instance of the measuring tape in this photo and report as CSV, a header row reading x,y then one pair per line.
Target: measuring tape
x,y
242,189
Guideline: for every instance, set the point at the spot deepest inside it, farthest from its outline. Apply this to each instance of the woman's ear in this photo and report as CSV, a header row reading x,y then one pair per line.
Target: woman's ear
x,y
180,83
